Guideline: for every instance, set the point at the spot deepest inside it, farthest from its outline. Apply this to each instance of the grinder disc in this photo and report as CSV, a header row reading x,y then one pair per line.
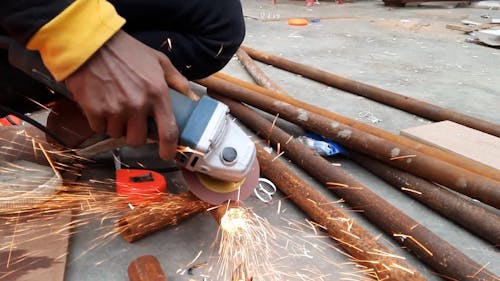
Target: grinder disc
x,y
216,192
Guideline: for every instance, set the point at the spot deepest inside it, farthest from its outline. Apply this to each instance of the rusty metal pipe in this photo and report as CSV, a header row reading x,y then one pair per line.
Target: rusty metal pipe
x,y
147,219
477,220
452,158
356,241
257,74
171,210
456,178
146,268
427,246
408,104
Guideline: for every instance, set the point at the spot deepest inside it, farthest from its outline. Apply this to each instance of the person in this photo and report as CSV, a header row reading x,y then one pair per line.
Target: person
x,y
119,58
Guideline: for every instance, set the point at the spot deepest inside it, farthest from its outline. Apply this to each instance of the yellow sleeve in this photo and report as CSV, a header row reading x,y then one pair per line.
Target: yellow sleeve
x,y
69,39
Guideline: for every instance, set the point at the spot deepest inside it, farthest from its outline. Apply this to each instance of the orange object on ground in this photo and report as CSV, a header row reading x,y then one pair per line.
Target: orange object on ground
x,y
297,21
10,120
140,186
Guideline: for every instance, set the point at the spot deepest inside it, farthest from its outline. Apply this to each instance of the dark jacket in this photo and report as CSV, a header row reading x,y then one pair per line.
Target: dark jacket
x,y
20,19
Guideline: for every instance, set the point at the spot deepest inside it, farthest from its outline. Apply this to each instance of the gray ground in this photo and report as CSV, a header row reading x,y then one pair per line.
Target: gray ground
x,y
406,50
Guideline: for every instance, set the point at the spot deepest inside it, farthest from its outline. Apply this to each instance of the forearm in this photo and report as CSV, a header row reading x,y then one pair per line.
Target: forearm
x,y
66,35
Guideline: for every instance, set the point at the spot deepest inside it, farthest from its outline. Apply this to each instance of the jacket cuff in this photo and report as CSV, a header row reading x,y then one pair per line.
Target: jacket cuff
x,y
71,38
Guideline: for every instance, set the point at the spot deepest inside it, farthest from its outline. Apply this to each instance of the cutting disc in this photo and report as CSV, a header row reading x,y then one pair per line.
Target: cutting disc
x,y
215,191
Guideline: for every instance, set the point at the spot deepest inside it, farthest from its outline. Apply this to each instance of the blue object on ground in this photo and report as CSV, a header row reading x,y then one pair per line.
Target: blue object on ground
x,y
322,145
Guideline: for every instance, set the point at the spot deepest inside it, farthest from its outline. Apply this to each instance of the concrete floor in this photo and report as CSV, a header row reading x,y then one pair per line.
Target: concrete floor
x,y
406,50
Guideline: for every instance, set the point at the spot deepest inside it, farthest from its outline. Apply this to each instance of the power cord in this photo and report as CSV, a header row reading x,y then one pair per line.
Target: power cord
x,y
8,111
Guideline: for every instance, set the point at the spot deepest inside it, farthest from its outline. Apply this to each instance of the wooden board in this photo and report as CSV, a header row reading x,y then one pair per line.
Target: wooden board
x,y
34,246
453,137
470,28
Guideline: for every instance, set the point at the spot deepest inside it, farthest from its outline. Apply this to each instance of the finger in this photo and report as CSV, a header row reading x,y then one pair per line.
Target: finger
x,y
192,95
116,126
174,78
167,129
96,122
137,130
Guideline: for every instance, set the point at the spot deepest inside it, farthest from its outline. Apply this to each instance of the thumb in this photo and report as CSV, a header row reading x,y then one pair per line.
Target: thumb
x,y
175,79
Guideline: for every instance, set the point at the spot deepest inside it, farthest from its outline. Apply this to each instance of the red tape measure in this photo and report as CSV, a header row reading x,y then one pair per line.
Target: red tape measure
x,y
140,186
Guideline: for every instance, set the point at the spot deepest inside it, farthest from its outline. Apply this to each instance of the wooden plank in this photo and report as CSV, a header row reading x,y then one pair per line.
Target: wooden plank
x,y
470,28
456,138
34,246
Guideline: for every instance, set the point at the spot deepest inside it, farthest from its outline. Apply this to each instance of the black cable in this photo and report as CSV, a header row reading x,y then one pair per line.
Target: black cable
x,y
33,122
11,121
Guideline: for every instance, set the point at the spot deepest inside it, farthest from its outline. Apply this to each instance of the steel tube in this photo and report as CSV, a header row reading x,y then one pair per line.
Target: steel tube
x,y
408,104
456,178
428,247
477,220
257,74
146,268
147,219
356,241
451,158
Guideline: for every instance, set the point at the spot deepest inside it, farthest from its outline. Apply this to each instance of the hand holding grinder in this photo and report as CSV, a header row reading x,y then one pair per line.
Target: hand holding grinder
x,y
220,163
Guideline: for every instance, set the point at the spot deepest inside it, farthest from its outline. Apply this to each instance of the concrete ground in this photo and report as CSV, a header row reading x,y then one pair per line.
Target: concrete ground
x,y
406,50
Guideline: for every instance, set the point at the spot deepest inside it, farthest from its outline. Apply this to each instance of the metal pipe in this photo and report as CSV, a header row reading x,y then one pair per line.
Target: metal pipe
x,y
477,220
364,248
452,158
257,74
146,268
456,178
428,247
408,104
147,219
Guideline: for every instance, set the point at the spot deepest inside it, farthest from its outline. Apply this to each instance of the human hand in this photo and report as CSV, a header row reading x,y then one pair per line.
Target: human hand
x,y
123,84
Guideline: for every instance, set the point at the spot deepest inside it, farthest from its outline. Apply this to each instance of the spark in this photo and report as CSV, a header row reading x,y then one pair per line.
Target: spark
x,y
49,160
213,208
272,128
37,103
333,185
167,42
190,266
403,157
235,220
348,244
249,243
13,238
278,156
186,149
395,265
220,50
479,270
350,234
337,184
313,227
404,236
411,190
33,143
385,254
312,201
